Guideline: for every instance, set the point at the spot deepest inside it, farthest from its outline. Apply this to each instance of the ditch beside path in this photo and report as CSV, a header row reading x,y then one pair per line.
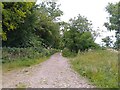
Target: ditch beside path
x,y
53,73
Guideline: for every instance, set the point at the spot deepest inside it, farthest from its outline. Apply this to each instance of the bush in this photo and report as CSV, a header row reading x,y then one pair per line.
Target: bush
x,y
12,54
67,53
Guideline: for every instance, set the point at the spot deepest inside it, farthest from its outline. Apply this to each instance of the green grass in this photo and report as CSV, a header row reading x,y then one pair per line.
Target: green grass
x,y
100,67
21,63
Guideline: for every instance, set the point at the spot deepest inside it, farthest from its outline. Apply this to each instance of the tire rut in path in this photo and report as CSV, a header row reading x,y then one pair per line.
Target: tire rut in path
x,y
53,73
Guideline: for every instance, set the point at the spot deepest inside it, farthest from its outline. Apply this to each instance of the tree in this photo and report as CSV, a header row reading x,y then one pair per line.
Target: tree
x,y
96,33
79,36
34,26
52,9
14,13
80,23
64,27
107,40
18,23
47,26
114,20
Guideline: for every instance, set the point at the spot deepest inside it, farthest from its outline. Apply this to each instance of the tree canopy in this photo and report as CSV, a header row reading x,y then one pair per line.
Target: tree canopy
x,y
26,24
114,20
79,36
107,40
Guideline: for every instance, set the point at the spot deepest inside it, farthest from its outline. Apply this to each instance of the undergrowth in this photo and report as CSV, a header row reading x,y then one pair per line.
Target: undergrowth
x,y
13,58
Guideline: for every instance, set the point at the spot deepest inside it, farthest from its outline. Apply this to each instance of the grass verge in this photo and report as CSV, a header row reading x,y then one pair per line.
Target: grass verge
x,y
21,63
100,67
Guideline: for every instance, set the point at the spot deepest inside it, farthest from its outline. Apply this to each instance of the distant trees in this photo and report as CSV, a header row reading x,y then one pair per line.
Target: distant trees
x,y
78,36
114,20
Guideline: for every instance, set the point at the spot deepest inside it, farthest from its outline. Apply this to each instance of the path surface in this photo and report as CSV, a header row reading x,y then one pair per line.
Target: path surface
x,y
53,73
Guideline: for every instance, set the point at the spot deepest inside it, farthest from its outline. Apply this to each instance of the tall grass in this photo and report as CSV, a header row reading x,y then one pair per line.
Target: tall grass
x,y
100,67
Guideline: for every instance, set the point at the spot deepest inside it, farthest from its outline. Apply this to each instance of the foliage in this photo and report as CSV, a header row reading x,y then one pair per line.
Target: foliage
x,y
30,25
80,23
100,67
48,31
107,40
18,23
47,26
116,44
64,26
12,54
113,23
67,53
14,13
52,9
79,36
114,20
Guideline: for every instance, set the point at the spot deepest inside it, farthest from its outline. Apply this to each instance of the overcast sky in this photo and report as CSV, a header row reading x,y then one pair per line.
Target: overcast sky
x,y
94,10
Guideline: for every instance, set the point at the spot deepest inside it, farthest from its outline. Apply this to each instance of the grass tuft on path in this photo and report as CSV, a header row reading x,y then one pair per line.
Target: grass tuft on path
x,y
100,67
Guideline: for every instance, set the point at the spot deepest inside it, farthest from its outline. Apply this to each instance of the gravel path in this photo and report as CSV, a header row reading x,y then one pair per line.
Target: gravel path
x,y
53,73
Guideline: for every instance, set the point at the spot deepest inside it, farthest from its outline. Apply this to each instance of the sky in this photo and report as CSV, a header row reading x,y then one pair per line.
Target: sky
x,y
94,10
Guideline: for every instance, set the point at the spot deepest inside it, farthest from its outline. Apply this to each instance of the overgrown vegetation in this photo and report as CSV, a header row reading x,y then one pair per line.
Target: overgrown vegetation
x,y
24,57
12,54
100,67
67,53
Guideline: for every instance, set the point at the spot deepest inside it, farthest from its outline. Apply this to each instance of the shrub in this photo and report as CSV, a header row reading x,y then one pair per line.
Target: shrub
x,y
12,54
67,53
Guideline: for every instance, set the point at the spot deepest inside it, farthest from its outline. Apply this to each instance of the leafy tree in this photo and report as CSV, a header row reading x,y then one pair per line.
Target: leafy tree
x,y
31,24
80,23
18,23
116,44
114,20
48,27
64,27
52,9
79,36
107,40
14,13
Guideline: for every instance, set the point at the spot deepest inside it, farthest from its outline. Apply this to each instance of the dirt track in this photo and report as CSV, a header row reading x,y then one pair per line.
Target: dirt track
x,y
53,73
